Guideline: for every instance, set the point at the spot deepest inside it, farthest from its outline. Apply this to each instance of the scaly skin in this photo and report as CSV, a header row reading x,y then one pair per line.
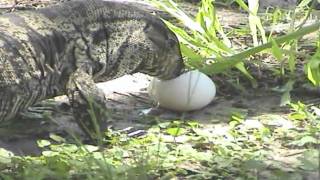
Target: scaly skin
x,y
67,48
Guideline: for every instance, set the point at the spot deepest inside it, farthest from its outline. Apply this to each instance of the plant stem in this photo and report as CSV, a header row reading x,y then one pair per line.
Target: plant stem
x,y
227,62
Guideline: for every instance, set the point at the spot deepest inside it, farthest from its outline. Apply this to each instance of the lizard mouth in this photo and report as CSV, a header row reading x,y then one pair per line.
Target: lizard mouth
x,y
179,70
174,71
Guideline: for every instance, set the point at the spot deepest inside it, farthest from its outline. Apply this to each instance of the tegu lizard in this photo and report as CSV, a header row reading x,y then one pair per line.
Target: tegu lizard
x,y
67,48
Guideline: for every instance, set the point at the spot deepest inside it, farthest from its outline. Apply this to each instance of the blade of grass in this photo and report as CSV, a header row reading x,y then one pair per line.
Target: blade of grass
x,y
276,50
172,8
227,62
313,68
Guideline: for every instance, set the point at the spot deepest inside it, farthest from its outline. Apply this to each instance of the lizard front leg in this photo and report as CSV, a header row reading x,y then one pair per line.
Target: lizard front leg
x,y
88,103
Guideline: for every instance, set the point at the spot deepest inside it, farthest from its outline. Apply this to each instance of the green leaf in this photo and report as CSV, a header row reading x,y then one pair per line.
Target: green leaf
x,y
202,132
312,68
240,66
164,124
292,60
310,160
200,20
254,164
58,165
305,140
304,3
239,115
276,51
297,116
43,143
194,59
57,138
242,5
5,156
184,37
176,131
172,8
286,97
90,148
49,153
193,124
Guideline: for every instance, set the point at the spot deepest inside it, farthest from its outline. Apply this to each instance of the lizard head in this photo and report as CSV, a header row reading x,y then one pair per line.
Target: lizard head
x,y
140,42
165,59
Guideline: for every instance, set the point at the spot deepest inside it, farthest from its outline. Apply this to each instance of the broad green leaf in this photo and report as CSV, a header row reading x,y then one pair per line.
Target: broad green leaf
x,y
5,156
176,131
297,116
43,143
305,140
238,116
310,160
57,138
90,148
50,153
201,132
164,124
255,164
299,107
58,165
193,124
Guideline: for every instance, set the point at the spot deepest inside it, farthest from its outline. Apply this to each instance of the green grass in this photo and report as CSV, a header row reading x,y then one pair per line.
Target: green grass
x,y
207,46
242,148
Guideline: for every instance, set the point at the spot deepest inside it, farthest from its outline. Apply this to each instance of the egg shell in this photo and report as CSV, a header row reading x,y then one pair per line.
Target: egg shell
x,y
190,91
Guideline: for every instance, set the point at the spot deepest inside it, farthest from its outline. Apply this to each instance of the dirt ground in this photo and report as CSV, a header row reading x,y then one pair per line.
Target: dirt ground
x,y
130,107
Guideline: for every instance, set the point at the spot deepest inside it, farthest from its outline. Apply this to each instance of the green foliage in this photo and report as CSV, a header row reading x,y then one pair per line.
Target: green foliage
x,y
300,111
276,51
172,149
207,47
254,21
204,38
308,117
312,68
309,158
286,89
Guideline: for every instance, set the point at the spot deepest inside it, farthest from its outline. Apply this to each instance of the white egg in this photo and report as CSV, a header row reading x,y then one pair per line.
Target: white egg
x,y
190,91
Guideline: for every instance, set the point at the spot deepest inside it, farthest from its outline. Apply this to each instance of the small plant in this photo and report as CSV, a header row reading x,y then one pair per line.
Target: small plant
x,y
306,117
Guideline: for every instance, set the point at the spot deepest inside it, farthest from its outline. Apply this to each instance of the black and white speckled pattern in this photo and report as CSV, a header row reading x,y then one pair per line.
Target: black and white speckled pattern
x,y
66,48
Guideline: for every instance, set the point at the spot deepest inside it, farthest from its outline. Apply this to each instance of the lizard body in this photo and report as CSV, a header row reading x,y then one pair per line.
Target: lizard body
x,y
67,48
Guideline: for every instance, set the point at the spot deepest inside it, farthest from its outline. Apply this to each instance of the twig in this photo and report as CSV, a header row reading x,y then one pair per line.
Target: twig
x,y
141,99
